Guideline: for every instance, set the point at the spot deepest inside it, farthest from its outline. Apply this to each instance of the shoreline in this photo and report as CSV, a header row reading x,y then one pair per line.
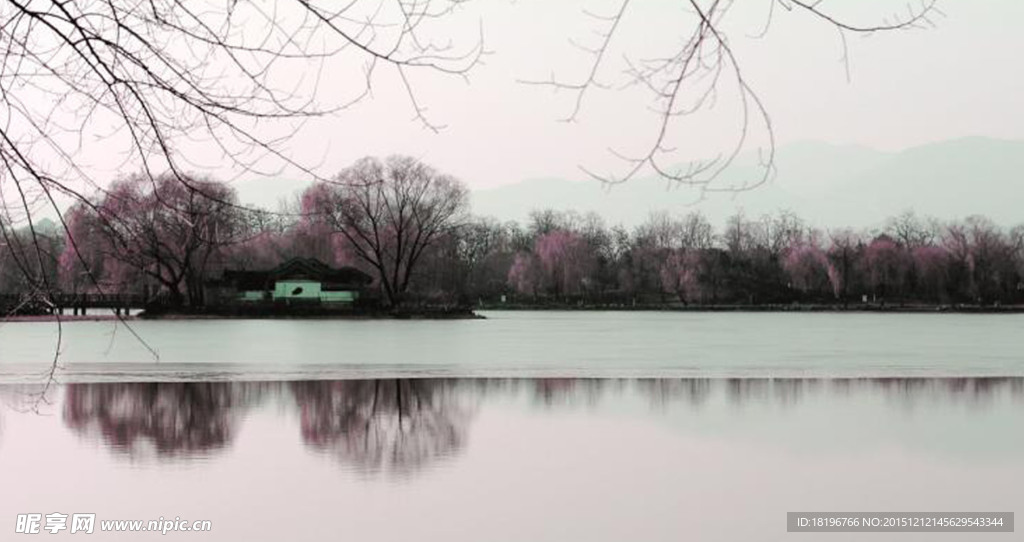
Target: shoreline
x,y
770,308
467,314
309,313
67,318
382,316
182,316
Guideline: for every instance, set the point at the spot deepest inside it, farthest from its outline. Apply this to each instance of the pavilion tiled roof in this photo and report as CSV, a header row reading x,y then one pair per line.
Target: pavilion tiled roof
x,y
296,269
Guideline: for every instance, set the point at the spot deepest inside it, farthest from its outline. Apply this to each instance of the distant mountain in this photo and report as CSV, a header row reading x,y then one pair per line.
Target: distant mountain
x,y
829,185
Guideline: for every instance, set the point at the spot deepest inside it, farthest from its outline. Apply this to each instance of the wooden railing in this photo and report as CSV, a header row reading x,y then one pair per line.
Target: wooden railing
x,y
62,303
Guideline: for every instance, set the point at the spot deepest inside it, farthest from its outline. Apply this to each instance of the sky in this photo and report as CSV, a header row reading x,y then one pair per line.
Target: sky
x,y
905,88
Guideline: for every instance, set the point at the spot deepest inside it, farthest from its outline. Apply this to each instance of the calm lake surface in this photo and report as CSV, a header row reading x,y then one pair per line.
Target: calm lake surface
x,y
524,426
574,344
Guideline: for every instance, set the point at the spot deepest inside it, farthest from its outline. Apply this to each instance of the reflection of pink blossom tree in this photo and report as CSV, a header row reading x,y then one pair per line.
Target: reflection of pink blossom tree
x,y
172,419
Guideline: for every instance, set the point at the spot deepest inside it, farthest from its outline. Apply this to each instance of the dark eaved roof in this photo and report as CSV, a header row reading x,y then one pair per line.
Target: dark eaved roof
x,y
296,269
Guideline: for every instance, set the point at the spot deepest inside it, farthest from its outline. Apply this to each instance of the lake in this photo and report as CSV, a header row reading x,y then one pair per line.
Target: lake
x,y
525,426
551,343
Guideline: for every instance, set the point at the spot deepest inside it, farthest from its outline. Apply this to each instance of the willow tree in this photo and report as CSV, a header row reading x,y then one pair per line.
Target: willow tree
x,y
390,213
167,233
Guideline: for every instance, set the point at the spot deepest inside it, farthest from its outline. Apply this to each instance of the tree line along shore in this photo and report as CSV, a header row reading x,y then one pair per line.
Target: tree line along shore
x,y
410,228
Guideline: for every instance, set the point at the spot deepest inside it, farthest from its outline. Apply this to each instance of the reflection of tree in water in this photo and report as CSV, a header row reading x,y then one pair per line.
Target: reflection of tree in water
x,y
379,425
7,392
786,391
790,391
663,391
404,425
573,391
170,419
972,390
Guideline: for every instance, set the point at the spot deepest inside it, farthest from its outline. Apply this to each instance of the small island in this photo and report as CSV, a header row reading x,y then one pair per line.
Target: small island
x,y
298,288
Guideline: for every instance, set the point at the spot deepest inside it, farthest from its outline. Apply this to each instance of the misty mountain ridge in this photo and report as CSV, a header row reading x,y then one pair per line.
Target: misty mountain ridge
x,y
827,185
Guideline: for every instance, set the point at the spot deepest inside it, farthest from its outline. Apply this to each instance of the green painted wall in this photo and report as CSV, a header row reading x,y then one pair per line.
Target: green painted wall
x,y
286,289
309,290
338,297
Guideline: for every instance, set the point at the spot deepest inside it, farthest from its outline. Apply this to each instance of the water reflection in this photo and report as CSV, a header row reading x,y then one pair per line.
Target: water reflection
x,y
168,419
526,459
790,391
691,391
568,392
404,425
382,425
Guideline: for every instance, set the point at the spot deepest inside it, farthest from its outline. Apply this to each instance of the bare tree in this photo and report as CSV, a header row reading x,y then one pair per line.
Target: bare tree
x,y
167,232
692,75
390,212
911,231
843,255
151,77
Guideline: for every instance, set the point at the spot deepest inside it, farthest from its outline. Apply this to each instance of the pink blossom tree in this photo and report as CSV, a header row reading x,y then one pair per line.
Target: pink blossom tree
x,y
81,262
680,275
931,269
565,260
160,228
524,275
843,253
887,265
809,269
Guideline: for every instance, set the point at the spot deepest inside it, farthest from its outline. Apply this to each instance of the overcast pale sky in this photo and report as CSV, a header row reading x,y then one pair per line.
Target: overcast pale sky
x,y
958,79
907,88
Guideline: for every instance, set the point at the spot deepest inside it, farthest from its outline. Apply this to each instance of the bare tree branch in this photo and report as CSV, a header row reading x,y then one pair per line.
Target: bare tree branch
x,y
688,79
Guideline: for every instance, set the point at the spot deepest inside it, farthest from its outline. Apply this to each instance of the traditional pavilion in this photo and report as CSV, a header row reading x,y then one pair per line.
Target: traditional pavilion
x,y
299,280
